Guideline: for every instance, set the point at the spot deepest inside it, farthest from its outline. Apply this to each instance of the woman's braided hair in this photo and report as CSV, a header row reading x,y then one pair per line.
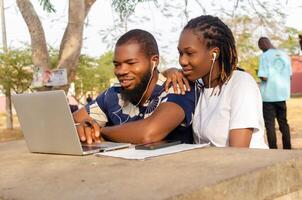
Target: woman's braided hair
x,y
217,34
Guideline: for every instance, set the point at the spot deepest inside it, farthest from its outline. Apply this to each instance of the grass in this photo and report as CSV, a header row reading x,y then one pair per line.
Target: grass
x,y
8,134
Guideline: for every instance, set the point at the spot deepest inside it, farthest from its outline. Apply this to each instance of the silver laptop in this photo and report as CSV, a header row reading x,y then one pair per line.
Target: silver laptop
x,y
48,125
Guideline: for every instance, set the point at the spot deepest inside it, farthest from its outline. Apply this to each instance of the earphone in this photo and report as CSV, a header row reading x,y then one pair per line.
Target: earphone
x,y
214,56
210,77
153,67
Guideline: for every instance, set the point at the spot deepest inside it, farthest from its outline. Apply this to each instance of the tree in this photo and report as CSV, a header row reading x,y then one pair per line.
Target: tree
x,y
93,75
291,41
71,44
15,75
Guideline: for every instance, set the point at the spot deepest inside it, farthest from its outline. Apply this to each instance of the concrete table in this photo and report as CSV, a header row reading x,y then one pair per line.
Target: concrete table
x,y
210,173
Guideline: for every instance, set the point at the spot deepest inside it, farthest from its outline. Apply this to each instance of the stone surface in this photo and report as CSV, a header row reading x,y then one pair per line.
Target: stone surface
x,y
210,173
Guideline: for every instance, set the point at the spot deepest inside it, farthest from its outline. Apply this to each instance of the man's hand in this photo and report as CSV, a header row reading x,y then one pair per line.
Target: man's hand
x,y
176,77
89,131
87,128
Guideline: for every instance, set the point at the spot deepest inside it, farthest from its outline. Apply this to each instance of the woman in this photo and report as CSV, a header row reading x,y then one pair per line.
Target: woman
x,y
229,108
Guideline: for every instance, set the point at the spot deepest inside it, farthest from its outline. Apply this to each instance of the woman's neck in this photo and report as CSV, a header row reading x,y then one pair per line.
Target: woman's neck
x,y
214,77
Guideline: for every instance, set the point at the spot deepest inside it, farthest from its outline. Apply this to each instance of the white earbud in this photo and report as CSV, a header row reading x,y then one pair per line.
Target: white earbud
x,y
214,56
210,76
153,65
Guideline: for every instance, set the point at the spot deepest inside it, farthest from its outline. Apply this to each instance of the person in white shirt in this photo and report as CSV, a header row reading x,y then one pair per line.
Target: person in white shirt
x,y
228,108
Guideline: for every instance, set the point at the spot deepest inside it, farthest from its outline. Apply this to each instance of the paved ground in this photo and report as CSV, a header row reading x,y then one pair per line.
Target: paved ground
x,y
294,116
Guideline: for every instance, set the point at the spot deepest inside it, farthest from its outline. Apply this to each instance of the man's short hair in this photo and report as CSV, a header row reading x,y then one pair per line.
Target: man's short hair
x,y
145,39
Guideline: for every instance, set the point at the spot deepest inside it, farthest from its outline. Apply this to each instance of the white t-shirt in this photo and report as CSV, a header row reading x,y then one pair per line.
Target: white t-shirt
x,y
239,105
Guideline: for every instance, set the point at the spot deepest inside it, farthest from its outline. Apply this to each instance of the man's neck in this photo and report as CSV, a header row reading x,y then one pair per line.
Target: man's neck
x,y
150,88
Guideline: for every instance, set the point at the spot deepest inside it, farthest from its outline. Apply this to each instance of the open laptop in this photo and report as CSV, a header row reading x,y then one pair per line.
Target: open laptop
x,y
48,125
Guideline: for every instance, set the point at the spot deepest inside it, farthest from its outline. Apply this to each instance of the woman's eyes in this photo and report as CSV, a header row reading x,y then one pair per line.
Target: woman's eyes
x,y
186,53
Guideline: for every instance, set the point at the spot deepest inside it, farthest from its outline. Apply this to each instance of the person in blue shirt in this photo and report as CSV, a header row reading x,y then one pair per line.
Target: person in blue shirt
x,y
275,75
138,110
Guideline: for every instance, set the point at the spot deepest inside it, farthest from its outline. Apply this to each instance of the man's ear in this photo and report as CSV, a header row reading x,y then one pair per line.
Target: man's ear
x,y
155,61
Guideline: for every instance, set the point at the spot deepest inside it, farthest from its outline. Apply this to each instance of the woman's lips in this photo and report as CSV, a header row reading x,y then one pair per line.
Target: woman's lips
x,y
187,70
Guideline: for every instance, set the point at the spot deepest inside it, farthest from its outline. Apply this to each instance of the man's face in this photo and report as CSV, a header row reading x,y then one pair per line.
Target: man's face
x,y
132,69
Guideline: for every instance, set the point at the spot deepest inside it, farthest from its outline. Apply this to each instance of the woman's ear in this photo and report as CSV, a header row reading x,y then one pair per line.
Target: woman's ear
x,y
215,52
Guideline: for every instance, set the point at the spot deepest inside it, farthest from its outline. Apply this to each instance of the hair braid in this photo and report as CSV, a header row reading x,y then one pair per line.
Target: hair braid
x,y
217,34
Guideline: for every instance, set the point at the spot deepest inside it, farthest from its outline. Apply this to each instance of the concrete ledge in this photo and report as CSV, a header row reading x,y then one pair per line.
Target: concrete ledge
x,y
211,173
268,183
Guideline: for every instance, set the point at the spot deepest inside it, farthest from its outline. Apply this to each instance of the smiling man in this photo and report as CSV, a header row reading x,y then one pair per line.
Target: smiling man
x,y
138,110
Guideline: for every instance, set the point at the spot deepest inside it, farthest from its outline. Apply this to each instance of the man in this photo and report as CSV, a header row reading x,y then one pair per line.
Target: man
x,y
88,99
275,74
138,110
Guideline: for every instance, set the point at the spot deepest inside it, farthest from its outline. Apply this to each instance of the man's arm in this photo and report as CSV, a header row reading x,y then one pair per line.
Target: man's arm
x,y
166,117
262,71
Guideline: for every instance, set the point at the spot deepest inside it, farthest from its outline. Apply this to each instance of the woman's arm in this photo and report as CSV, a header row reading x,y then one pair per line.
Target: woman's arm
x,y
240,137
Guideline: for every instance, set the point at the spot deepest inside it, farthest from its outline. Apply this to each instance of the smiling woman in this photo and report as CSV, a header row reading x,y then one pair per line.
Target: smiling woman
x,y
229,109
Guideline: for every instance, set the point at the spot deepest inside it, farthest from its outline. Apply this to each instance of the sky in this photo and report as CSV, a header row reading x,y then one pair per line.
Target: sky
x,y
102,17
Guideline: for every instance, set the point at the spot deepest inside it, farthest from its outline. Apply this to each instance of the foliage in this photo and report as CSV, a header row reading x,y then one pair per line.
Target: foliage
x,y
250,65
54,57
47,6
16,70
93,75
125,10
291,42
125,7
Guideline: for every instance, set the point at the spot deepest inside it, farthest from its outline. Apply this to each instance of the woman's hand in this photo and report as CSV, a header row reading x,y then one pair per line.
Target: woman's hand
x,y
179,82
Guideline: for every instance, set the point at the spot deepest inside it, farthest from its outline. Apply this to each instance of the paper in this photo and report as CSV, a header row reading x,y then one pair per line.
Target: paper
x,y
133,154
56,77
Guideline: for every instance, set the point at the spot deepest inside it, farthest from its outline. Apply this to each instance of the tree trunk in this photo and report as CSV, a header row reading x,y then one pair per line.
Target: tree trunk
x,y
71,43
8,104
40,55
8,108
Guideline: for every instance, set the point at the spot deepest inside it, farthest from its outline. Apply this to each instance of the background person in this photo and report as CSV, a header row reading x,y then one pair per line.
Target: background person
x,y
275,74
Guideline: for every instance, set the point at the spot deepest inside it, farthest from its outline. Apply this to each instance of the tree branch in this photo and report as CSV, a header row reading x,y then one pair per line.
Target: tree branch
x,y
40,54
71,43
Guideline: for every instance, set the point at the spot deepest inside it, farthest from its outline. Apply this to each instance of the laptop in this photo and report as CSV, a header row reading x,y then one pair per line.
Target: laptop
x,y
48,125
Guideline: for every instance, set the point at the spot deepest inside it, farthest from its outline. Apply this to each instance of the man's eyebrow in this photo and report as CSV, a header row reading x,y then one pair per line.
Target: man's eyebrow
x,y
130,60
125,61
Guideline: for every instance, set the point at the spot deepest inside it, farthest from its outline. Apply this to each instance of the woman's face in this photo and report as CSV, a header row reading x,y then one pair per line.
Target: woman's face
x,y
194,57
